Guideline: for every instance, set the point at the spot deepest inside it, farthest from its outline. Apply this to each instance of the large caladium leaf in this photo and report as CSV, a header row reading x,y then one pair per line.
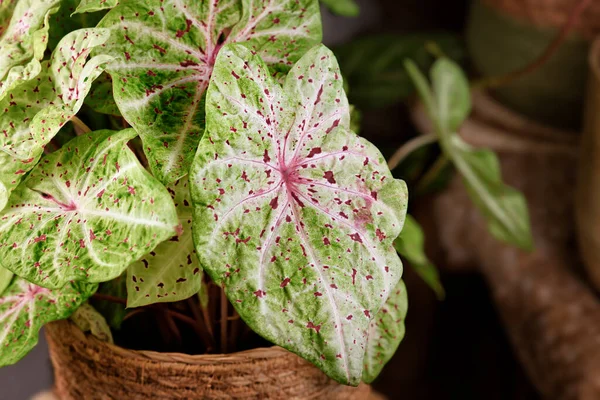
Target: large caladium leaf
x,y
34,112
84,213
385,333
165,57
25,308
171,272
293,213
23,41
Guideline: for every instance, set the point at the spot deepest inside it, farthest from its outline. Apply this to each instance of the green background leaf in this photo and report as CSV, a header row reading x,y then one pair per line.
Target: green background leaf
x,y
411,245
89,320
346,8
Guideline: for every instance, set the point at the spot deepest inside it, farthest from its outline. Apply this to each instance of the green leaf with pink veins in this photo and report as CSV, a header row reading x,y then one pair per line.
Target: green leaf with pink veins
x,y
23,41
385,333
294,214
165,54
171,272
34,112
85,213
25,308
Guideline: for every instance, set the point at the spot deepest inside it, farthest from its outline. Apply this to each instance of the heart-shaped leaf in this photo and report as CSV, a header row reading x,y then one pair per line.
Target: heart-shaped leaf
x,y
165,57
89,320
84,213
25,308
23,41
386,331
171,272
34,112
293,213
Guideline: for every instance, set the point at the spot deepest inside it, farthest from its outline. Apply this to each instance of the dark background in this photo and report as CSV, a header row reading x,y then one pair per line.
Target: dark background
x,y
455,349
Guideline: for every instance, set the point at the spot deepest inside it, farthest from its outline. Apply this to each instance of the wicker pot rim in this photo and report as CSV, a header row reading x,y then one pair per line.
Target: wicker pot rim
x,y
87,368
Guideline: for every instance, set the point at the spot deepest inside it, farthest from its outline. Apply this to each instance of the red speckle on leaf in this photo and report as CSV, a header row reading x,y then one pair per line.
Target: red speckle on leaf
x,y
188,24
81,244
188,63
356,237
315,150
310,325
273,203
349,317
374,195
68,183
318,294
369,277
160,49
329,176
318,99
236,76
326,241
333,126
131,189
266,157
276,20
284,282
41,238
259,293
380,234
92,236
353,276
367,313
100,193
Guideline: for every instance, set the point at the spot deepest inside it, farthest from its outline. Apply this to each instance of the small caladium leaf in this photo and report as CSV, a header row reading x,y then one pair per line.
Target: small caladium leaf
x,y
293,213
87,6
89,320
386,331
5,279
84,213
411,245
171,272
447,102
165,57
33,113
25,308
23,41
346,8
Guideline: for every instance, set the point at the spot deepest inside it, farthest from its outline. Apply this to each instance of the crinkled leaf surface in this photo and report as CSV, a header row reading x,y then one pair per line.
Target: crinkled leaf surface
x,y
7,7
346,8
448,103
165,55
171,272
5,279
293,213
23,41
89,320
34,112
411,245
386,331
84,213
25,308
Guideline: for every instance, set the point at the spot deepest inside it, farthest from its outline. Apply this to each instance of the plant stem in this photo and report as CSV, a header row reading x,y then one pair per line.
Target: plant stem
x,y
200,327
107,297
170,314
224,304
438,166
80,126
235,327
410,146
501,80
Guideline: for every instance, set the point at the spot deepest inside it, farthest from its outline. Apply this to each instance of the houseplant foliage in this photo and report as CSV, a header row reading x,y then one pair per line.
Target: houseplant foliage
x,y
247,171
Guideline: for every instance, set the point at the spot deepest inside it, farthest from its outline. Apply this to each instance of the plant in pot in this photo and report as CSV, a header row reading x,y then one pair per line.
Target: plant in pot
x,y
221,174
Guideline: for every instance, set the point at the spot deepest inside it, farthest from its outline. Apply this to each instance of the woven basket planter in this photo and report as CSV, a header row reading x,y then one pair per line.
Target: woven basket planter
x,y
86,368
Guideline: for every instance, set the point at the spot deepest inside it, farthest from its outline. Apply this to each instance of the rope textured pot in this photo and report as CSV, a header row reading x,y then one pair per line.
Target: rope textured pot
x,y
86,368
552,318
505,35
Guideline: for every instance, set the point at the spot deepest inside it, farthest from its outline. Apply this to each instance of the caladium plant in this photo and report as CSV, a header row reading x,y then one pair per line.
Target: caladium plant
x,y
248,178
